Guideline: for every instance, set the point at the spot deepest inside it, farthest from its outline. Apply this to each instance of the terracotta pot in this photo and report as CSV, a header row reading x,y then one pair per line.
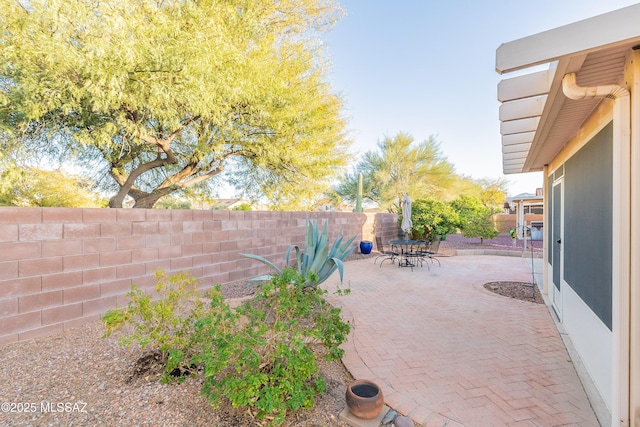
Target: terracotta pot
x,y
364,399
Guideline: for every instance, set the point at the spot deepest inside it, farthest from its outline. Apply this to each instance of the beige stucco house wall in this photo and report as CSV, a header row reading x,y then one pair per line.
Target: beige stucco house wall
x,y
576,117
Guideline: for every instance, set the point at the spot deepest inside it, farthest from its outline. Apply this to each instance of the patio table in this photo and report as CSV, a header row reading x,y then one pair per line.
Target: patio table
x,y
409,253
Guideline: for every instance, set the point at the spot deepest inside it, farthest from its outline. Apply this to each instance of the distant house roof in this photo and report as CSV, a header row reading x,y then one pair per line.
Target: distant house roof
x,y
537,119
526,197
227,202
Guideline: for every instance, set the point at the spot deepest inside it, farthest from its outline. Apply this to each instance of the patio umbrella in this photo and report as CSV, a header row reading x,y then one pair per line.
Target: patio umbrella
x,y
406,214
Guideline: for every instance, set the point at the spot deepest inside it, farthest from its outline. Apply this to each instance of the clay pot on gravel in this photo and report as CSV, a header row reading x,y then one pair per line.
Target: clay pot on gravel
x,y
364,399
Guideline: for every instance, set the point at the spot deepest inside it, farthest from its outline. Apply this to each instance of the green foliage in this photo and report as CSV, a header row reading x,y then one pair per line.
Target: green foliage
x,y
317,261
242,207
491,192
432,217
159,96
169,202
494,193
476,219
259,357
28,186
166,324
399,166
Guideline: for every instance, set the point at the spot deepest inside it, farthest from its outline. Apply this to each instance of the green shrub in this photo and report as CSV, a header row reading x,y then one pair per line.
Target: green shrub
x,y
259,355
476,219
165,325
432,217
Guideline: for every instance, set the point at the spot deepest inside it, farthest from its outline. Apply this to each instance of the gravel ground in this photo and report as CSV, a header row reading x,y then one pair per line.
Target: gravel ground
x,y
503,242
516,290
78,378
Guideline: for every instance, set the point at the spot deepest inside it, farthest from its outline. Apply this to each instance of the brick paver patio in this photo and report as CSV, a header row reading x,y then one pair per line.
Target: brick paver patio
x,y
447,352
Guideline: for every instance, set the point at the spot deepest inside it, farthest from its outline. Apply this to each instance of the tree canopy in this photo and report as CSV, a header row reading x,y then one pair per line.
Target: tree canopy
x,y
476,218
400,166
27,186
162,95
432,217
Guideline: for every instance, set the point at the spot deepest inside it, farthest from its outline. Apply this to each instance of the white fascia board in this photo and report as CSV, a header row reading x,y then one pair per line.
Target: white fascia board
x,y
522,108
513,163
518,138
511,171
530,124
608,29
525,86
516,148
514,156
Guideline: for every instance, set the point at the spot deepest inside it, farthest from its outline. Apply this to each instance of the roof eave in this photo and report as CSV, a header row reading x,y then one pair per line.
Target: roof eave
x,y
595,33
531,103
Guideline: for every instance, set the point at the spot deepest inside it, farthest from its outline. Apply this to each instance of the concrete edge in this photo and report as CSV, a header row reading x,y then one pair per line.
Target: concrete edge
x,y
522,254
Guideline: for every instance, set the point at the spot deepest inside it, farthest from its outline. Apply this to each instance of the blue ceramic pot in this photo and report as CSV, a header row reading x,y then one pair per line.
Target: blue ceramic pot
x,y
366,246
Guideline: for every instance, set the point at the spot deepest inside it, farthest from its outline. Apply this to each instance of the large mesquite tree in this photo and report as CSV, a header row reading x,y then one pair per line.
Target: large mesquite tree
x,y
163,94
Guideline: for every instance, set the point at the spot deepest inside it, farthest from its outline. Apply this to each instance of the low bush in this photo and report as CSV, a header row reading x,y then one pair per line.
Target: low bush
x,y
260,356
166,325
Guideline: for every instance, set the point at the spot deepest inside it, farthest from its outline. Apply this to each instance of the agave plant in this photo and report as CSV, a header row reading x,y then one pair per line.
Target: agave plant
x,y
317,262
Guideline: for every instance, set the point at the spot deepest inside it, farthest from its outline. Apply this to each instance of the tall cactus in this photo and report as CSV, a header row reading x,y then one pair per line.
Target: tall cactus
x,y
359,194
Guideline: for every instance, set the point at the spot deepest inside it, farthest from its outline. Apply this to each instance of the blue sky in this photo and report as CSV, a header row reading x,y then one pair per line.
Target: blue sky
x,y
428,68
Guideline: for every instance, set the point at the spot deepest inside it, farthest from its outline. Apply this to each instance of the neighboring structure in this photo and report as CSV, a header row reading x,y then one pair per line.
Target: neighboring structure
x,y
579,122
522,204
229,204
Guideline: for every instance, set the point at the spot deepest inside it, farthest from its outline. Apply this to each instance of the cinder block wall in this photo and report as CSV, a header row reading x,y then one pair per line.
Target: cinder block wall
x,y
505,222
63,267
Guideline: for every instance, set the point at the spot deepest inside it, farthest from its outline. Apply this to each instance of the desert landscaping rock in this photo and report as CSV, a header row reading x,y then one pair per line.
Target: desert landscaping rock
x,y
516,290
403,421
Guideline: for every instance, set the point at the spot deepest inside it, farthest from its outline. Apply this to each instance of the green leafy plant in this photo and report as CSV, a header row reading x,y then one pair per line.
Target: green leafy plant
x,y
476,219
165,325
260,355
432,217
317,261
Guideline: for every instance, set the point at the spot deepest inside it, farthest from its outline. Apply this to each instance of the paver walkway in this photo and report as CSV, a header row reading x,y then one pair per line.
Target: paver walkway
x,y
447,352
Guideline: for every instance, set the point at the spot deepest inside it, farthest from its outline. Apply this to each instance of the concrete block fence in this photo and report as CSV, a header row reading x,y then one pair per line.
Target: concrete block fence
x,y
62,267
505,222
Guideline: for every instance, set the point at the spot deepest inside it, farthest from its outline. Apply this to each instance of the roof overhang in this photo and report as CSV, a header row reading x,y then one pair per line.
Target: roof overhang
x,y
537,119
527,199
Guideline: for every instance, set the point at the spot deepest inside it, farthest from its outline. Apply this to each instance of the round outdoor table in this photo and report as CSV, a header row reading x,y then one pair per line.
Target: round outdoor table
x,y
406,251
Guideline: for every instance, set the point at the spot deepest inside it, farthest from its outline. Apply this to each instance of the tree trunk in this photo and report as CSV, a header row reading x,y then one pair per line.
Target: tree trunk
x,y
142,200
146,203
116,201
148,200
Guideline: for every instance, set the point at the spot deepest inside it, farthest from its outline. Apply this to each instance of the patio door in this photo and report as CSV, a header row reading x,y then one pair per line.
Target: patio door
x,y
557,222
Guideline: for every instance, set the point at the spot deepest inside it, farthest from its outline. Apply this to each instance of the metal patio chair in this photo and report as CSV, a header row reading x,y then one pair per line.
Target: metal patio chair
x,y
431,252
386,253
